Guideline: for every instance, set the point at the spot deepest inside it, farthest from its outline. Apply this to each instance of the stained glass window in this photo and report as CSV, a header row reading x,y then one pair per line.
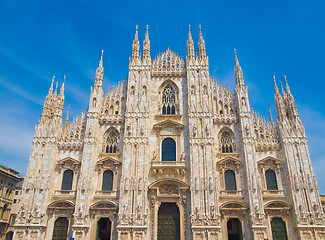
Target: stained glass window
x,y
112,142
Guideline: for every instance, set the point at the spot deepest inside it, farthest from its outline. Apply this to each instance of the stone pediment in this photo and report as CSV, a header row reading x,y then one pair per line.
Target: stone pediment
x,y
170,182
276,205
168,123
61,204
227,159
69,163
108,162
269,159
233,205
104,205
68,160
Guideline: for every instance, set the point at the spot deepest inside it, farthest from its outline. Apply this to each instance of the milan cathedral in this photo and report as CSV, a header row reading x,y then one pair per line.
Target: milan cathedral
x,y
170,154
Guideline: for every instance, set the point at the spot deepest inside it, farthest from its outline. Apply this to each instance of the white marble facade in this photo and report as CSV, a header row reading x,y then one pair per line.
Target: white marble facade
x,y
217,136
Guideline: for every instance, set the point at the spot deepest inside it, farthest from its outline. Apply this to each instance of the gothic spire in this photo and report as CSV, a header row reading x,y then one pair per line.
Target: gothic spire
x,y
287,86
201,43
276,89
270,113
99,72
56,89
62,87
146,46
66,123
190,45
238,71
282,90
51,88
135,45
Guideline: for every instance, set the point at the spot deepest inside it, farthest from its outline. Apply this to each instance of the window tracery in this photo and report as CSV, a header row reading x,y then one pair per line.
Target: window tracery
x,y
227,143
169,100
112,142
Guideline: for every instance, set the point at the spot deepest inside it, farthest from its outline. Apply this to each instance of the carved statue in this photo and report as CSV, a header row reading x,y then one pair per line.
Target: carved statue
x,y
194,130
154,157
183,155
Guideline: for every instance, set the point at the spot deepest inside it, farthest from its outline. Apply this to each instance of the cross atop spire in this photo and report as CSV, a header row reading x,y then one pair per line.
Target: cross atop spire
x,y
201,43
146,46
190,45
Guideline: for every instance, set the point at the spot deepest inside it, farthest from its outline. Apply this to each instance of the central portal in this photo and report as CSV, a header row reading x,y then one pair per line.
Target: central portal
x,y
103,229
168,222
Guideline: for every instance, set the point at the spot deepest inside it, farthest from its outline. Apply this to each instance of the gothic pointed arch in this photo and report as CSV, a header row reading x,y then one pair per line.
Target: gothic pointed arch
x,y
226,141
169,102
111,141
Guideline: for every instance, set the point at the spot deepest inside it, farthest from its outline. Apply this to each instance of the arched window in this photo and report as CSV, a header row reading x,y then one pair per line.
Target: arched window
x,y
107,181
227,144
270,177
67,180
60,230
169,100
230,180
279,230
112,142
168,152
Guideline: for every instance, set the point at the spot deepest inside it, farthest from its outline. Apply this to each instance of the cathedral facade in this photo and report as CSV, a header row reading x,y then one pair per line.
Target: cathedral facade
x,y
169,153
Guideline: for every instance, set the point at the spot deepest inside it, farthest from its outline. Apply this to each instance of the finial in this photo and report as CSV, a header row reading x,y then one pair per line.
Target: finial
x,y
189,27
51,87
200,27
53,79
274,79
64,77
147,27
136,27
236,59
102,52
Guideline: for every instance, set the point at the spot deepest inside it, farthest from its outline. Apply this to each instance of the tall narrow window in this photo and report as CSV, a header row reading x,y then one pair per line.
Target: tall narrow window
x,y
227,144
4,209
112,142
270,177
60,230
107,181
168,100
168,150
230,180
67,180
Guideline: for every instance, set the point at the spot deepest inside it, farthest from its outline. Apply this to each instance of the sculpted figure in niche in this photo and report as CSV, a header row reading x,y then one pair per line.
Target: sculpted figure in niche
x,y
183,155
194,130
154,157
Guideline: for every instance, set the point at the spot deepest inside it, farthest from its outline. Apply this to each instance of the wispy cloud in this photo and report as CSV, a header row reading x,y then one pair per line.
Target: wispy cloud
x,y
20,92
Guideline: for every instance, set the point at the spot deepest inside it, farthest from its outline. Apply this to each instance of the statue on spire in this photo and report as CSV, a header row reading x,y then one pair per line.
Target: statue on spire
x,y
190,45
201,43
99,72
146,46
135,45
238,71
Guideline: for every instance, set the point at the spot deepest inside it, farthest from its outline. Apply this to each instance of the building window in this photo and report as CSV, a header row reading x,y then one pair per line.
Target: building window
x,y
112,142
168,152
270,177
13,219
67,180
230,180
4,209
227,142
169,100
15,200
107,181
16,193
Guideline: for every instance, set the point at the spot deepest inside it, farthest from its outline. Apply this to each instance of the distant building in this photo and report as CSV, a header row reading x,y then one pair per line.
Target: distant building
x,y
14,210
8,181
169,153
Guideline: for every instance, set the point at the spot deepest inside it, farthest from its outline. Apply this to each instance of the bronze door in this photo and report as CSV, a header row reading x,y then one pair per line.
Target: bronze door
x,y
168,222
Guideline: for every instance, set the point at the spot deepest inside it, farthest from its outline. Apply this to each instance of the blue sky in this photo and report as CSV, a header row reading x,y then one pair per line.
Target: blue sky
x,y
39,39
